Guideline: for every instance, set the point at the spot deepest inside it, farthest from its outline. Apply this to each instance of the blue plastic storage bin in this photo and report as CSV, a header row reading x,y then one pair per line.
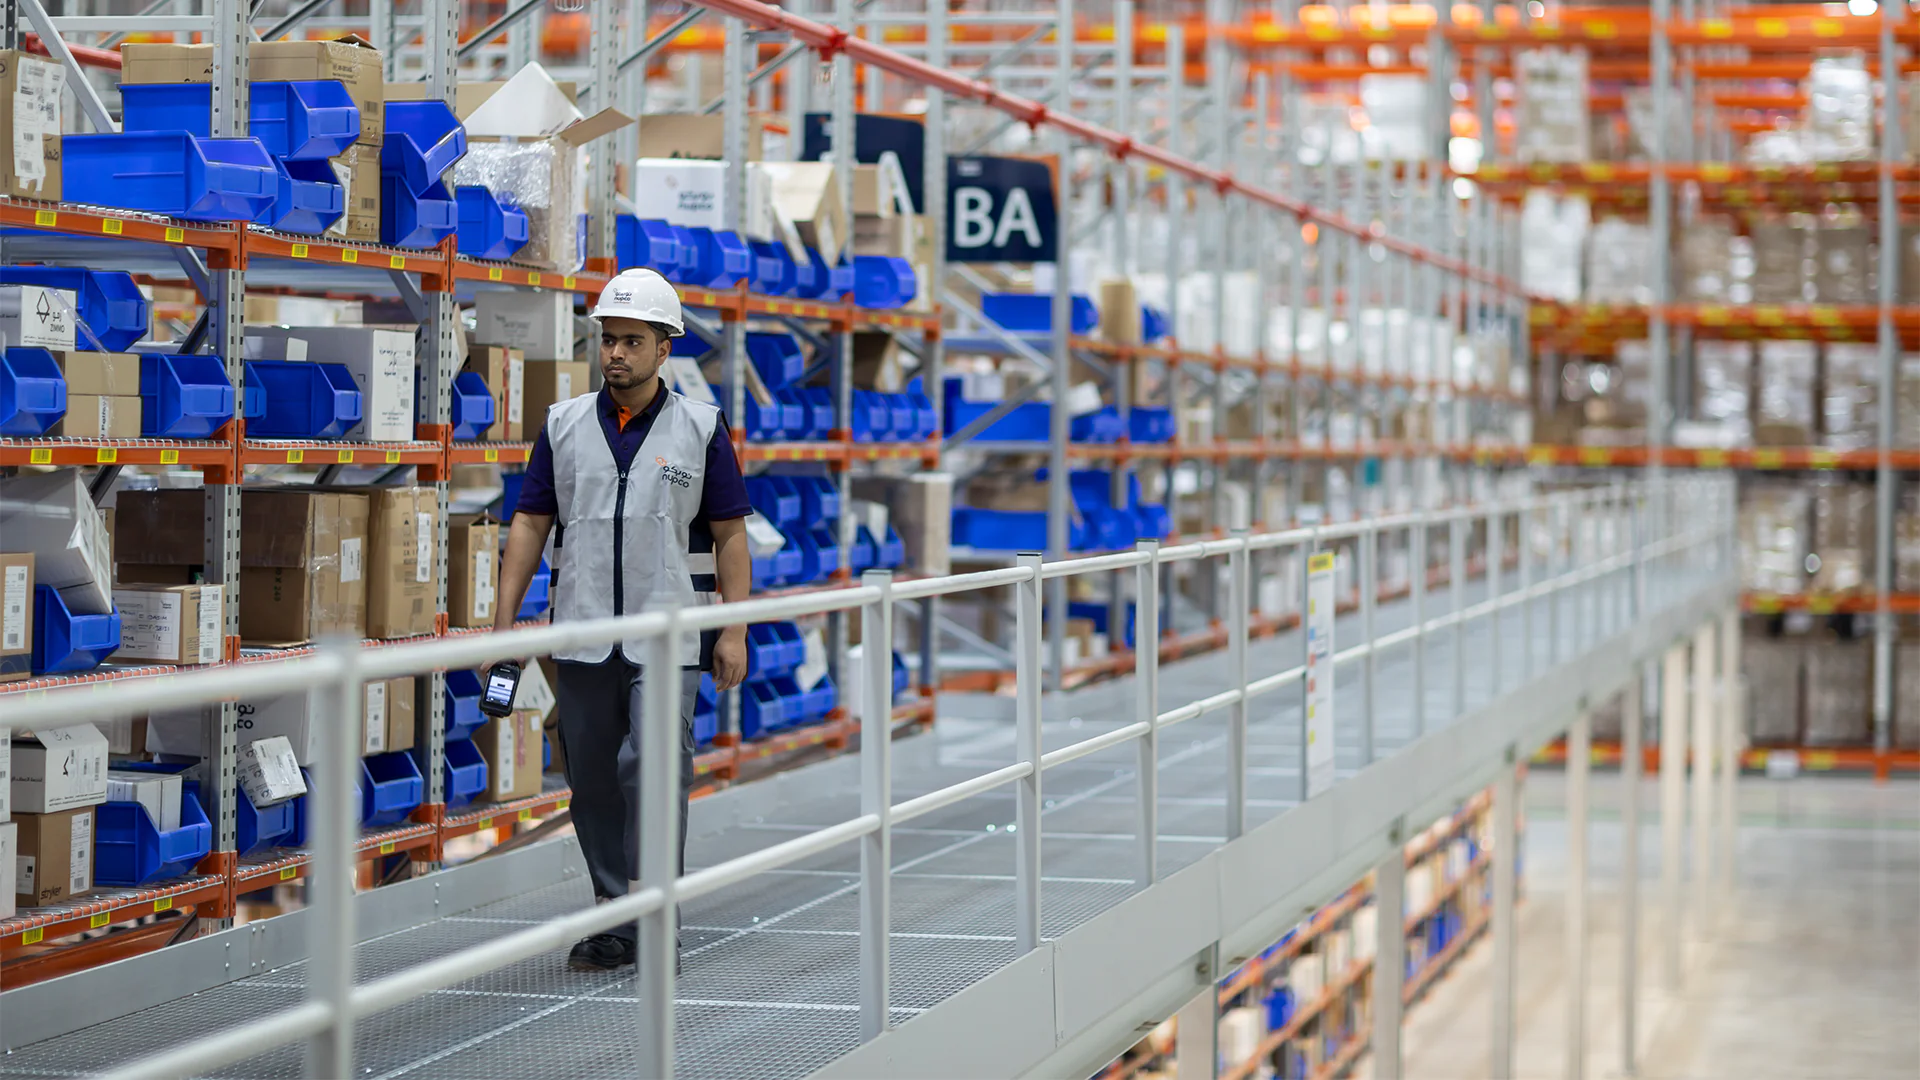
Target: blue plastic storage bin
x,y
183,395
706,712
882,281
786,564
819,499
794,397
900,678
646,242
466,773
33,392
1030,422
777,497
817,702
891,551
391,788
1100,426
765,572
762,708
819,554
792,643
715,259
872,416
819,403
170,172
412,219
63,641
111,306
1032,313
489,228
472,407
260,829
309,121
903,417
131,851
1149,425
422,142
924,422
864,555
776,357
1154,324
811,276
462,699
307,198
762,421
773,270
539,593
1011,530
295,399
791,699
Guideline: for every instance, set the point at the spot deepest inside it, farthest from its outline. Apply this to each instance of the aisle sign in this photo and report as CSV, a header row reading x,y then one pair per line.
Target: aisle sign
x,y
1000,209
1320,672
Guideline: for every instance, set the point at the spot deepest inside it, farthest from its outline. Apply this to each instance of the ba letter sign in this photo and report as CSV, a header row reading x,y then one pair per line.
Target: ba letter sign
x,y
1000,210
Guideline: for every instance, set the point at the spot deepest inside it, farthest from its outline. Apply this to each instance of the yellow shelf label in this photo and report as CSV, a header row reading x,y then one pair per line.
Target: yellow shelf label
x,y
287,873
533,277
1716,28
40,456
1820,760
1765,604
1824,459
494,273
295,457
1770,28
1769,459
165,903
1716,173
492,454
485,823
563,804
1712,459
1602,29
1320,562
1828,28
349,255
47,219
1598,173
176,235
393,457
169,457
113,226
346,457
1593,455
396,262
568,281
106,455
299,251
1822,604
527,814
386,848
32,937
99,921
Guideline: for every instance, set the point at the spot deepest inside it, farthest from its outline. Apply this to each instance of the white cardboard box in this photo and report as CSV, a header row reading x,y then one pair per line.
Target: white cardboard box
x,y
380,361
52,516
158,792
58,769
9,873
268,772
178,624
6,779
283,717
35,317
539,324
681,191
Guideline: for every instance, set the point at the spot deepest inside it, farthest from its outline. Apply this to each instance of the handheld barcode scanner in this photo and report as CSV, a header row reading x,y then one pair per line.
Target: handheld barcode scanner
x,y
503,681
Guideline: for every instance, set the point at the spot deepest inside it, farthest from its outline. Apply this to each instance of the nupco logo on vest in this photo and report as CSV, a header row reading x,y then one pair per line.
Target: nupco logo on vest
x,y
674,473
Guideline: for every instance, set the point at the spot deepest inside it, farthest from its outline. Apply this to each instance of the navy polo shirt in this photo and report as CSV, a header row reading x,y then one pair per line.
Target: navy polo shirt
x,y
723,498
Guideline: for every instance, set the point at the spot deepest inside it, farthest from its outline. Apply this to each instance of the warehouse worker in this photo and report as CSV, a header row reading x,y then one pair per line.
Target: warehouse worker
x,y
651,507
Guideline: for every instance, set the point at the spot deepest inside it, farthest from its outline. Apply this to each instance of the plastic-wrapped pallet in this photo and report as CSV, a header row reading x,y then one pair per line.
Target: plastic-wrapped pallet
x,y
1843,268
1773,537
1722,373
1779,260
1785,413
1771,666
1849,403
1552,105
1906,697
1639,101
1839,692
1398,128
1906,543
1838,120
1619,263
1843,527
1706,262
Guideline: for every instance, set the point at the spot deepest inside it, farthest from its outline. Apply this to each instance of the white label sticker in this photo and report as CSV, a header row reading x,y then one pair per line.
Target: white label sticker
x,y
342,175
483,584
423,547
350,560
1320,673
81,849
150,625
516,388
504,759
23,875
13,610
213,618
106,415
375,712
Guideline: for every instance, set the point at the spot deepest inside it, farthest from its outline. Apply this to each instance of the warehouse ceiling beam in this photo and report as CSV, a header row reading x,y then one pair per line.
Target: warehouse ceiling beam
x,y
77,81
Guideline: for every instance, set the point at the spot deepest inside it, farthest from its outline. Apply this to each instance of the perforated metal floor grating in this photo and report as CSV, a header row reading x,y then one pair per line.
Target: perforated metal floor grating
x,y
770,986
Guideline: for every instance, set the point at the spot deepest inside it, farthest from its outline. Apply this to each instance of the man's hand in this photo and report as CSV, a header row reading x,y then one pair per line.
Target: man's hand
x,y
730,658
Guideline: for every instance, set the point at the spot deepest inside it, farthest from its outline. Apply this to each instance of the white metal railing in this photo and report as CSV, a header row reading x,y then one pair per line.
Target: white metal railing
x,y
1595,546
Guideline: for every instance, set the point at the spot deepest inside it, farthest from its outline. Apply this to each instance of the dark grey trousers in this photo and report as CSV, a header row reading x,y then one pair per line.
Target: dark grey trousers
x,y
600,735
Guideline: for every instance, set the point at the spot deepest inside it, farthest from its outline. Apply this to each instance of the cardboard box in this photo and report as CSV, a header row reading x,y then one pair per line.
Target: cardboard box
x,y
58,769
877,363
97,416
546,383
539,324
159,793
381,362
873,193
1119,312
694,194
504,369
348,60
512,748
891,236
55,860
358,171
387,715
402,528
179,624
473,569
807,193
9,873
695,135
302,564
268,772
167,527
111,374
16,616
125,737
38,318
921,508
52,516
31,86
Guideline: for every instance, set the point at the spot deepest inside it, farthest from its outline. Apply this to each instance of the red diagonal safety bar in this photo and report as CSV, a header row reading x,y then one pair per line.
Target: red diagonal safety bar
x,y
85,55
823,36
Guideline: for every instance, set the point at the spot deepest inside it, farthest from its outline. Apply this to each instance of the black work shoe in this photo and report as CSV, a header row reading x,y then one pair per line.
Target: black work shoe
x,y
602,952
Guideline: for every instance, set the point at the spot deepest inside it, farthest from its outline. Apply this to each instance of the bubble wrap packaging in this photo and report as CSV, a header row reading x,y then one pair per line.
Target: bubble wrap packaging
x,y
547,178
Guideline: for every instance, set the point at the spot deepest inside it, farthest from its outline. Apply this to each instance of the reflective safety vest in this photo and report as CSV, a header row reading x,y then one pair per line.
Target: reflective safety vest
x,y
628,538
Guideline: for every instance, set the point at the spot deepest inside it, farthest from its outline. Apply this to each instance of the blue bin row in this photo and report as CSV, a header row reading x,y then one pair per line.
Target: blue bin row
x,y
711,258
805,413
775,702
812,554
1033,421
1032,313
774,648
1098,525
423,141
64,641
113,314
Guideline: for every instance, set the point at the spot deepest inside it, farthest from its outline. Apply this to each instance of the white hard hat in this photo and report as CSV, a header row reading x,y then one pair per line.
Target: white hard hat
x,y
641,294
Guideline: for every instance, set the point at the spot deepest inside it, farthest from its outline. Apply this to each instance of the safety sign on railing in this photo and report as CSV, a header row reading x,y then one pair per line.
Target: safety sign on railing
x,y
1320,673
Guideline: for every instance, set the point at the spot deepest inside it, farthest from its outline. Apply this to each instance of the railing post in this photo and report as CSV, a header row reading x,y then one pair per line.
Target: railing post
x,y
1632,721
1389,956
336,825
1555,595
1418,567
1456,592
876,798
1579,761
1027,675
1673,804
1370,666
1240,594
1706,720
1496,551
1732,739
1525,541
1146,706
658,813
1506,842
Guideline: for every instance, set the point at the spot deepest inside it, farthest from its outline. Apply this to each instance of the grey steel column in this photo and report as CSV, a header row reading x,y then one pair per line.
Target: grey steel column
x,y
1417,573
1885,481
1456,593
1028,670
933,218
335,812
656,822
603,47
1733,702
1673,806
1579,758
876,797
1660,195
1369,542
1059,504
1196,1035
1389,958
1705,719
1146,697
1632,722
1239,592
1506,794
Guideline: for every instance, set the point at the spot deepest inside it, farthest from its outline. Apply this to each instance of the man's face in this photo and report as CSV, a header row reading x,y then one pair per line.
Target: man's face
x,y
631,352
